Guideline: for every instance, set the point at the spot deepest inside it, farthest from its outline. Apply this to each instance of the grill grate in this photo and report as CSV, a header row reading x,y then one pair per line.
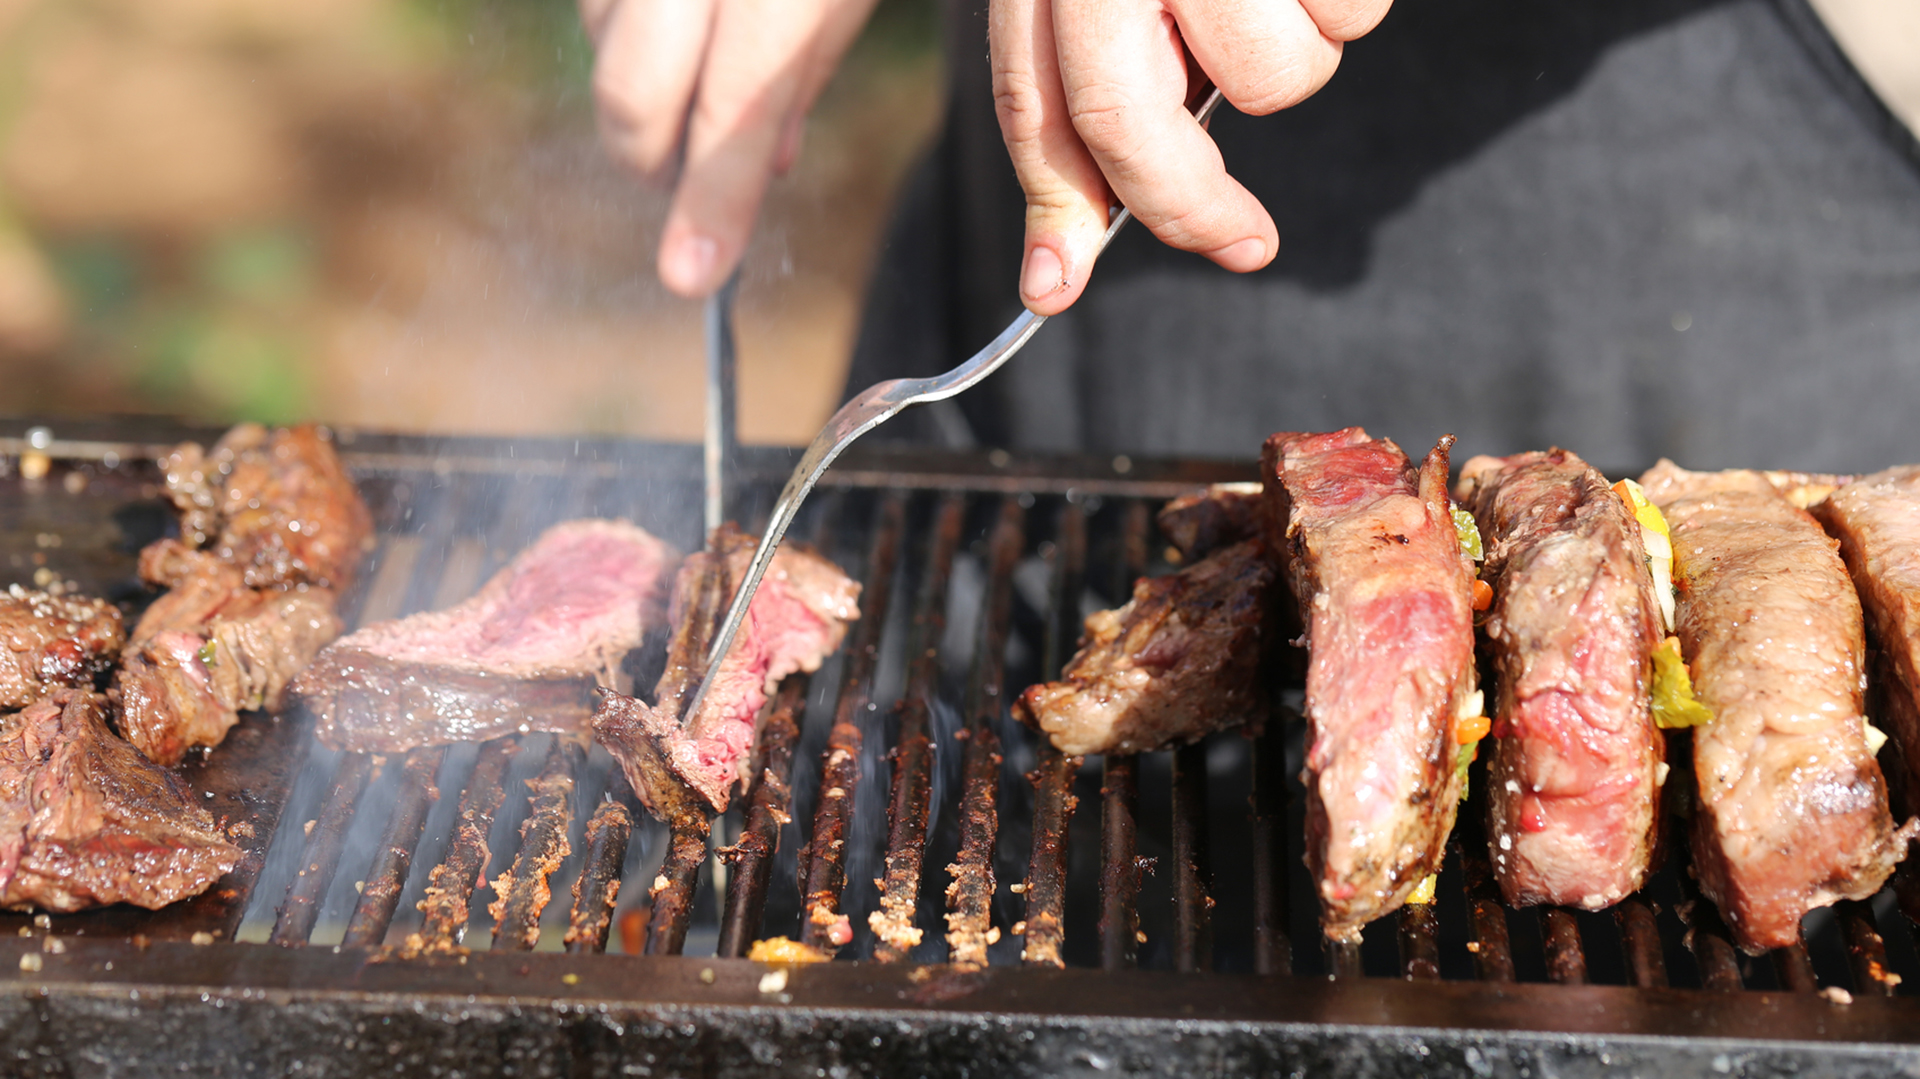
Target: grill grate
x,y
891,782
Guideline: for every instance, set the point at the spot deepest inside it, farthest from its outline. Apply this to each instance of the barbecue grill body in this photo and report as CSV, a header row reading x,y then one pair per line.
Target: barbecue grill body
x,y
1138,862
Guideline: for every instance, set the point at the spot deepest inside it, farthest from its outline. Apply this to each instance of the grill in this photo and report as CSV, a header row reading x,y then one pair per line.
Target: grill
x,y
445,912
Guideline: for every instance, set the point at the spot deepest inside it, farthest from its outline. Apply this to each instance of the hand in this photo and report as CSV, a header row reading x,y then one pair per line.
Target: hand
x,y
728,82
1092,95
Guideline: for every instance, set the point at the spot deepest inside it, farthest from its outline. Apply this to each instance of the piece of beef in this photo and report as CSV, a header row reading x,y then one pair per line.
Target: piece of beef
x,y
1577,766
85,820
1179,661
1384,590
279,505
48,641
797,620
1877,521
1791,812
524,653
1205,521
211,648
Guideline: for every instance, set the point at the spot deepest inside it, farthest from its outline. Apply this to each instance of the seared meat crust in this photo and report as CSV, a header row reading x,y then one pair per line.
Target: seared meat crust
x,y
49,641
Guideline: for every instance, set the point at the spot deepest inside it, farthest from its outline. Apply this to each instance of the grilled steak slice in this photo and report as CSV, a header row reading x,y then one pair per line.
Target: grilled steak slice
x,y
1877,521
1205,521
1384,591
211,648
523,653
279,505
1578,762
48,641
1179,661
797,620
1792,809
85,820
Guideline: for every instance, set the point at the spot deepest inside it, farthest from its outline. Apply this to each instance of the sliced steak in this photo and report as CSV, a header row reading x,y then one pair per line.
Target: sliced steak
x,y
211,648
1384,590
279,505
1577,764
85,820
1791,811
48,641
1179,661
1205,521
798,618
524,653
1877,521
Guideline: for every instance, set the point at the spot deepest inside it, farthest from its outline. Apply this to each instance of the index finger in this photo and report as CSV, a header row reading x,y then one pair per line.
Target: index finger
x,y
1125,73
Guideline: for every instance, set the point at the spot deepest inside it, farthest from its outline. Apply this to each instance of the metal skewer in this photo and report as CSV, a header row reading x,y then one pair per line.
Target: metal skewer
x,y
869,409
721,439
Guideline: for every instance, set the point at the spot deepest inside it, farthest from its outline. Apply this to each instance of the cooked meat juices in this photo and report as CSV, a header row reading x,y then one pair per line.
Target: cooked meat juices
x,y
1205,521
524,653
48,641
1792,810
85,820
797,620
278,505
1877,521
211,648
1373,558
1179,661
1577,763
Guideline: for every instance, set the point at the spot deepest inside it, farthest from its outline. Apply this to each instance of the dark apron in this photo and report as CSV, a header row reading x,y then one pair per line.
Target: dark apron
x,y
1632,228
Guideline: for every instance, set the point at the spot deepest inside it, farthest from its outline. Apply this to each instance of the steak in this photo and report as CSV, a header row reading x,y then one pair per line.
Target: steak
x,y
798,618
524,653
1791,812
279,505
1205,521
1577,765
1877,521
211,648
85,820
1384,590
1179,661
49,640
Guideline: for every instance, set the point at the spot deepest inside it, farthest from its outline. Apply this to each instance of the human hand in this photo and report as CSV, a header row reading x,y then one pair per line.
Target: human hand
x,y
1092,94
723,87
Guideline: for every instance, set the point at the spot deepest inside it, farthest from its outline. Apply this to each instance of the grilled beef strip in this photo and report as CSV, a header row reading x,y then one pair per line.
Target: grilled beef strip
x,y
48,641
524,653
1179,661
211,648
1791,810
1373,559
798,618
1577,764
279,505
1877,521
1219,516
86,820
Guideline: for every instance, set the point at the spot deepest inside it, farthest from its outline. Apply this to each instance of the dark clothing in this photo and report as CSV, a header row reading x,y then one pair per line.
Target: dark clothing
x,y
1632,228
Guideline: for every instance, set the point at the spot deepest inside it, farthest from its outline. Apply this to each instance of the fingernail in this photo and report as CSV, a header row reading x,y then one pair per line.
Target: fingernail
x,y
690,262
1248,254
1043,275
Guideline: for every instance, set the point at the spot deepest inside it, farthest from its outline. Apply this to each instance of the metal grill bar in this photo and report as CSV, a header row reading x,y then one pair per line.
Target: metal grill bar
x,y
970,897
1420,942
825,858
320,856
1120,863
750,860
893,923
1866,951
1053,799
672,891
1560,936
1492,951
523,893
597,888
1707,937
1640,937
1192,876
450,886
373,914
1272,947
1795,969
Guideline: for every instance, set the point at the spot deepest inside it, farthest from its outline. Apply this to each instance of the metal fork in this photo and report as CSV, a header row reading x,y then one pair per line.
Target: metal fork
x,y
869,409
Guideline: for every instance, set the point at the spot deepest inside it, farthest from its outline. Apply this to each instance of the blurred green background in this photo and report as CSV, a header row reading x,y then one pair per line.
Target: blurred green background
x,y
394,213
